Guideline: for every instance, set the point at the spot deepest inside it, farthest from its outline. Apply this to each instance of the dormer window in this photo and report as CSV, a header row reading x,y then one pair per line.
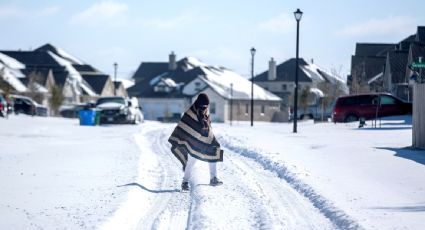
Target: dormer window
x,y
165,85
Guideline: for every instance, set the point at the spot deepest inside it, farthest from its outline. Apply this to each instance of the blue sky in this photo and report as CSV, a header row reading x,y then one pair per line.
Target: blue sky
x,y
216,32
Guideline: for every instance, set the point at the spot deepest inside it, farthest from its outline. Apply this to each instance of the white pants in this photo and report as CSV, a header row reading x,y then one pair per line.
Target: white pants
x,y
189,167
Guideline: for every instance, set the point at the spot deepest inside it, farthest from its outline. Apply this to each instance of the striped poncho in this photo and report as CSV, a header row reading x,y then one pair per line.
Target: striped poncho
x,y
189,137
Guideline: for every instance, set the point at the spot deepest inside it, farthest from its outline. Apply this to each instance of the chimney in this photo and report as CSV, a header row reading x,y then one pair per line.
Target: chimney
x,y
272,70
172,65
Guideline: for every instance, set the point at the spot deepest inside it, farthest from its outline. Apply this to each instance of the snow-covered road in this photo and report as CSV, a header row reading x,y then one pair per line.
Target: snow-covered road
x,y
251,197
56,174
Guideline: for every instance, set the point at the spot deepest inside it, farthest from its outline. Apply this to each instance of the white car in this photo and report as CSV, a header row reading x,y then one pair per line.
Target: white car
x,y
119,110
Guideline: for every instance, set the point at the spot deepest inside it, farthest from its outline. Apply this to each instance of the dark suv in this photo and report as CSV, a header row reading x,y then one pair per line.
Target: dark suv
x,y
368,106
26,105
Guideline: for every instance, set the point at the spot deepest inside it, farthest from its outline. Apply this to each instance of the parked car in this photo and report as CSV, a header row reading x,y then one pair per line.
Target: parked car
x,y
315,110
368,106
118,110
26,105
3,106
73,111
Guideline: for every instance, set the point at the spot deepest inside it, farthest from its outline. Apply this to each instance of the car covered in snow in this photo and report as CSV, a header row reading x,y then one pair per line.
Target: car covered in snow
x,y
118,110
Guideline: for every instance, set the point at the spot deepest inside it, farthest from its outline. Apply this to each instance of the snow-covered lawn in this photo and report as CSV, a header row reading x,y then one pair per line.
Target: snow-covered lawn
x,y
56,174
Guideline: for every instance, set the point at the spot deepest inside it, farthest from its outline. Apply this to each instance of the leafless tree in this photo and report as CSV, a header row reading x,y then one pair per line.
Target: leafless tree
x,y
33,86
56,98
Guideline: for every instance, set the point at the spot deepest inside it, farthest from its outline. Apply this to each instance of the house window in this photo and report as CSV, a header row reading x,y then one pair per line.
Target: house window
x,y
197,86
263,108
212,108
284,87
246,108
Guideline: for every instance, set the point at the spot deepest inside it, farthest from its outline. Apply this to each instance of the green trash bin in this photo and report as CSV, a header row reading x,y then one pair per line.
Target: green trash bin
x,y
97,117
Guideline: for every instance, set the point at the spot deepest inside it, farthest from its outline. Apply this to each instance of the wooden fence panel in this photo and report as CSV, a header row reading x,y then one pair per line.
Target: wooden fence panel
x,y
418,116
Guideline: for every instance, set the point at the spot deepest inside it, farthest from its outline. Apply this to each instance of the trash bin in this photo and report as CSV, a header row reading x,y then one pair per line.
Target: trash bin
x,y
88,117
97,117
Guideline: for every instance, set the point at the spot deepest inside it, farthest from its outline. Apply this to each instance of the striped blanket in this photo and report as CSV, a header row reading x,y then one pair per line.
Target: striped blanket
x,y
189,137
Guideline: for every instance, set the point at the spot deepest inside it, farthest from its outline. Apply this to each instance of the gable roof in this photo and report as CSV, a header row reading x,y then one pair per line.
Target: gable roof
x,y
183,74
189,69
147,70
286,72
373,49
33,59
59,52
60,77
220,79
85,68
96,81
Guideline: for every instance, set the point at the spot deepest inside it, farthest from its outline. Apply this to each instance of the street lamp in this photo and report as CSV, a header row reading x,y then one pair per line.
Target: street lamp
x,y
298,14
115,78
252,85
231,103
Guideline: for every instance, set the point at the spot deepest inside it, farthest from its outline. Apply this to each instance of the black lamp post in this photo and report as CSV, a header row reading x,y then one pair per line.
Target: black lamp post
x,y
115,78
298,14
231,103
252,85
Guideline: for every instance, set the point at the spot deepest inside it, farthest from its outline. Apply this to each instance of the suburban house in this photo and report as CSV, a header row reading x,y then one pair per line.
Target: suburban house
x,y
280,80
387,67
367,63
166,90
47,66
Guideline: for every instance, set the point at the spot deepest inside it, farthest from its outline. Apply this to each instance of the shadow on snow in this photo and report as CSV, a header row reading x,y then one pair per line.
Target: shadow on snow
x,y
418,208
150,190
408,153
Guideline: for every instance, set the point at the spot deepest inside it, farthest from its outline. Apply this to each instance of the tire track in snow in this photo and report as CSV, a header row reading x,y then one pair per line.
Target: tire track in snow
x,y
287,208
168,209
338,217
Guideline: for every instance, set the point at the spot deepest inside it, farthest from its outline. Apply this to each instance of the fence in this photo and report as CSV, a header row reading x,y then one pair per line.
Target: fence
x,y
418,129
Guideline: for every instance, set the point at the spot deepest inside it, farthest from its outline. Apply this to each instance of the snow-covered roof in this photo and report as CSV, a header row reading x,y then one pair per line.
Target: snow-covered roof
x,y
75,77
169,82
61,53
40,89
317,74
126,82
157,79
220,80
64,54
12,76
311,71
11,62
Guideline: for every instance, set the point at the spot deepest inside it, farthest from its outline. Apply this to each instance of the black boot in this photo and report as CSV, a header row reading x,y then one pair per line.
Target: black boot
x,y
215,181
185,186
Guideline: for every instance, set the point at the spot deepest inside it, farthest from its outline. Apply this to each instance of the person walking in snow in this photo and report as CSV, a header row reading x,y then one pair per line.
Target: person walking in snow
x,y
193,140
